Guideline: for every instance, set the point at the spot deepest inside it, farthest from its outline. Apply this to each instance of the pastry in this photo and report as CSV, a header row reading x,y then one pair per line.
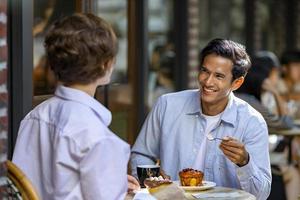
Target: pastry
x,y
154,184
191,177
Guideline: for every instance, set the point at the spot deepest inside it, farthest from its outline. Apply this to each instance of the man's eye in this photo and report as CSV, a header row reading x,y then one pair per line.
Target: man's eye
x,y
202,69
220,77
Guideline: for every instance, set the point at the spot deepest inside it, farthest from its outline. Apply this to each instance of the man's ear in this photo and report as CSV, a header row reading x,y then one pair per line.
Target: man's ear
x,y
237,83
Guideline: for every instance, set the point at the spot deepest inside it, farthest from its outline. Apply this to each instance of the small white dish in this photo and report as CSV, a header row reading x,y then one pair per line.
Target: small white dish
x,y
205,186
142,190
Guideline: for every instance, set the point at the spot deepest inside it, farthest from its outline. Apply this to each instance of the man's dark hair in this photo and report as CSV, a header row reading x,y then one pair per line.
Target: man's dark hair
x,y
78,46
231,50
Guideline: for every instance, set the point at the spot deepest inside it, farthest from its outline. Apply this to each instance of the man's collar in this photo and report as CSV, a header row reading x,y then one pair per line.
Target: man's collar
x,y
229,114
193,106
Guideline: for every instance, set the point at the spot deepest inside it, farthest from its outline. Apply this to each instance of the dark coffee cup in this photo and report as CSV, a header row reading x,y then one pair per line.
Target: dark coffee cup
x,y
146,171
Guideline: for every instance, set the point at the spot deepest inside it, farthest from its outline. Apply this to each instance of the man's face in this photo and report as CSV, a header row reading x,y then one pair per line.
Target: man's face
x,y
215,79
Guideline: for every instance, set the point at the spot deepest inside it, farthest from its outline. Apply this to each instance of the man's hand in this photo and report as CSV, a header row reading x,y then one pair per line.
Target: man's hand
x,y
133,184
164,175
235,151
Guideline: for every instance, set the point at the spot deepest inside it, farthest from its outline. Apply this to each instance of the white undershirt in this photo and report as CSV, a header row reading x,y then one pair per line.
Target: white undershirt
x,y
211,122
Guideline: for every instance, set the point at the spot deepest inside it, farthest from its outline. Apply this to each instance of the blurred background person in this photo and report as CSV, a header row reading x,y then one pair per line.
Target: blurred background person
x,y
289,87
290,82
260,91
161,79
165,76
43,77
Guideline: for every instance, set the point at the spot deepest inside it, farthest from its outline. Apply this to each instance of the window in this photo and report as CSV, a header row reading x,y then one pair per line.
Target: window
x,y
45,12
161,49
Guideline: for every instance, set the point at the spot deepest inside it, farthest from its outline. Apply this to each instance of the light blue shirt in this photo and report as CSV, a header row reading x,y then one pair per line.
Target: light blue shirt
x,y
173,132
67,151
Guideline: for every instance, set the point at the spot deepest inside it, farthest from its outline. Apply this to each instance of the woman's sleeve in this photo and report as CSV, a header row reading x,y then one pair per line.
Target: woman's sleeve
x,y
103,171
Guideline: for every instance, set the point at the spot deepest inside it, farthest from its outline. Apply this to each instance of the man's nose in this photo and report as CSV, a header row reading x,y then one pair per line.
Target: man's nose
x,y
209,80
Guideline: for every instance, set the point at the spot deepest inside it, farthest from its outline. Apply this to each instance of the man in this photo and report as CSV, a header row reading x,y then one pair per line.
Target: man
x,y
64,145
177,128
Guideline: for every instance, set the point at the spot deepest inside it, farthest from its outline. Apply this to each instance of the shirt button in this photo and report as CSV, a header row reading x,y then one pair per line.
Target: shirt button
x,y
239,173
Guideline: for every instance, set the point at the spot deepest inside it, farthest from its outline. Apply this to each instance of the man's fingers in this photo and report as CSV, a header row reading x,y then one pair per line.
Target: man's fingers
x,y
230,155
232,142
234,149
236,155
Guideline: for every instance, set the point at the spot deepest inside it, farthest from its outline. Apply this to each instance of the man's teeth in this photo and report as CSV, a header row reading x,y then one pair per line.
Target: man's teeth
x,y
208,90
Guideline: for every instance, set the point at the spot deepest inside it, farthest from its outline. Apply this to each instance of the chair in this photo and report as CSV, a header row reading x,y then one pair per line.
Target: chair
x,y
18,185
277,186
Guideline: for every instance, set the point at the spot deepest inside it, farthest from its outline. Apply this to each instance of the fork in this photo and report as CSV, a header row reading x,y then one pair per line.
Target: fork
x,y
211,137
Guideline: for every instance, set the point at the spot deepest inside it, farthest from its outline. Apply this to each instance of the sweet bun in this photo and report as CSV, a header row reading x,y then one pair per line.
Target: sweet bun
x,y
191,177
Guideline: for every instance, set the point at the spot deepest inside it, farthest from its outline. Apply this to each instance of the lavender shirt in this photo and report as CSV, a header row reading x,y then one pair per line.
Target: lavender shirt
x,y
67,151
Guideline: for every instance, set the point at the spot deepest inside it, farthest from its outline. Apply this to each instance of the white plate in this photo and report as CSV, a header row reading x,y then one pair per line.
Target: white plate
x,y
205,186
142,190
143,194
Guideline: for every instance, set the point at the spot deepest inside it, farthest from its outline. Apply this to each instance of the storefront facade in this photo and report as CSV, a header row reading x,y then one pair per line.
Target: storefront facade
x,y
159,42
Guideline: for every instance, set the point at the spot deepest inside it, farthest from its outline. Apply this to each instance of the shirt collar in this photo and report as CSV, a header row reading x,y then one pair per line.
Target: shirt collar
x,y
229,114
193,106
81,97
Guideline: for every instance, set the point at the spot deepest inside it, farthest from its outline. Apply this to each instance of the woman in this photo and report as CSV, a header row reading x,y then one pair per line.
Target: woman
x,y
260,91
64,145
289,85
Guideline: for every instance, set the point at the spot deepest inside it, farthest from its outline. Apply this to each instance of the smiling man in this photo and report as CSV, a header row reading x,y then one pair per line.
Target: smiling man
x,y
176,129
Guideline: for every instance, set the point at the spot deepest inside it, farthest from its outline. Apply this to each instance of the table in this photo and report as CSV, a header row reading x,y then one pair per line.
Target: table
x,y
219,191
289,133
215,193
295,131
297,122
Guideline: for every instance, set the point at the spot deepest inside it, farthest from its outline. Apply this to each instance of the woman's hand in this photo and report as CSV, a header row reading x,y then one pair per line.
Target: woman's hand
x,y
164,175
133,184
